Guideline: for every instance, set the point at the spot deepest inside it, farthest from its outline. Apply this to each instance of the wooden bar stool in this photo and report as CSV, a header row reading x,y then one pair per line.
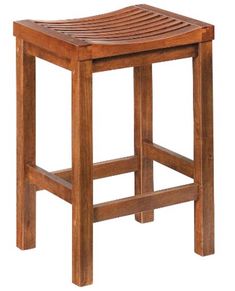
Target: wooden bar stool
x,y
136,36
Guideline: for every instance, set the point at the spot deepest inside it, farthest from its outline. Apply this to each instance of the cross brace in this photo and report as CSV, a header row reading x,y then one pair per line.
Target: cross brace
x,y
59,183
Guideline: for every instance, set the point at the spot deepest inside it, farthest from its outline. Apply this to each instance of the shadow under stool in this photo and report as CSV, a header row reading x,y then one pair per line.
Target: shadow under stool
x,y
136,36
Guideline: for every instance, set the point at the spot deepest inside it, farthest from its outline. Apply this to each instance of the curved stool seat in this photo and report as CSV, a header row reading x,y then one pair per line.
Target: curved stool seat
x,y
132,29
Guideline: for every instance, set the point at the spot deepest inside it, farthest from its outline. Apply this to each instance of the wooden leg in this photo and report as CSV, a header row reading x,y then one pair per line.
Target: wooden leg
x,y
203,150
26,193
82,181
143,132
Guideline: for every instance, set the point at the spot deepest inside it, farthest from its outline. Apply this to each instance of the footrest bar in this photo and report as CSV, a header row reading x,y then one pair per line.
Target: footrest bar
x,y
117,208
150,201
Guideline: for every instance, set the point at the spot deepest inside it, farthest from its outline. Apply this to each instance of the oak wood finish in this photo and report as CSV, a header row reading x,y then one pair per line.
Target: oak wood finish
x,y
149,201
169,158
134,29
46,55
136,36
144,58
119,207
26,199
143,132
208,27
118,62
106,168
102,169
203,149
47,181
60,45
82,180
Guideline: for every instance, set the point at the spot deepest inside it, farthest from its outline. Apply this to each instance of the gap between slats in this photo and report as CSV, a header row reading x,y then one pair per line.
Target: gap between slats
x,y
142,30
122,31
115,19
151,20
173,28
95,17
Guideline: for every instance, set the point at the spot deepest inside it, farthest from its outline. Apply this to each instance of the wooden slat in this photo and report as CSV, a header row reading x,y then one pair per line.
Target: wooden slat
x,y
110,17
173,15
117,19
124,26
169,158
105,169
106,15
45,180
141,59
63,45
125,32
139,34
103,23
48,56
135,204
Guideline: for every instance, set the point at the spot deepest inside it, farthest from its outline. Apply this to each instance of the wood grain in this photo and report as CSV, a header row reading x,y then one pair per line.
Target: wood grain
x,y
82,179
52,183
175,15
139,28
144,58
169,158
128,26
50,40
105,169
143,132
136,36
153,200
203,150
26,193
48,56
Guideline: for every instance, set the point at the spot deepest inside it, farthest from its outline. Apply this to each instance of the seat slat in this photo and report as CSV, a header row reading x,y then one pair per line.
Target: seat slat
x,y
143,31
173,15
139,29
129,10
141,35
123,26
144,38
108,22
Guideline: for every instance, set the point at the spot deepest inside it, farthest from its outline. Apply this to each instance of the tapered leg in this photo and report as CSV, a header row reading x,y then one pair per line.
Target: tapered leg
x,y
26,194
143,132
203,150
82,180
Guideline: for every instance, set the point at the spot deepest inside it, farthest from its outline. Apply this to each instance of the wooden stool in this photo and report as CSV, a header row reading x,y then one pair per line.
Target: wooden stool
x,y
136,36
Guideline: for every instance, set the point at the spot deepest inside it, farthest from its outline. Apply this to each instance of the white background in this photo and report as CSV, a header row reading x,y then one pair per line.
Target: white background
x,y
127,255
